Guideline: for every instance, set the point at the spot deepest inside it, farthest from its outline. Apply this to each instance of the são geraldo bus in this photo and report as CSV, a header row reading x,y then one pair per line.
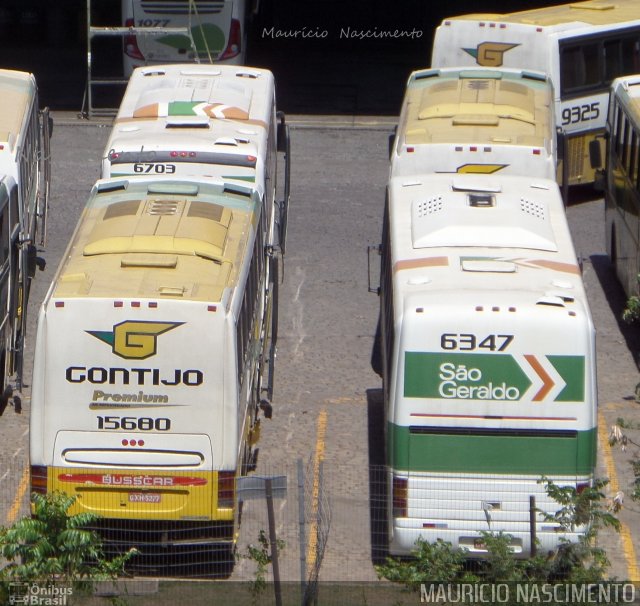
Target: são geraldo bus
x,y
150,411
582,46
476,120
488,360
24,189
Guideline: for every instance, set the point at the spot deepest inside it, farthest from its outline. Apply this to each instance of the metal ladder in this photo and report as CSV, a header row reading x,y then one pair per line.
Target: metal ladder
x,y
89,110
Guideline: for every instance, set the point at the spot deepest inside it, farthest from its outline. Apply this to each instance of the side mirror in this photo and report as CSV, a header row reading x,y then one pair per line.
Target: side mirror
x,y
282,133
595,153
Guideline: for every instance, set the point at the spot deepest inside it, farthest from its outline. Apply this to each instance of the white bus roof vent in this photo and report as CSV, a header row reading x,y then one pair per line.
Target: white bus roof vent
x,y
429,206
484,219
551,301
532,208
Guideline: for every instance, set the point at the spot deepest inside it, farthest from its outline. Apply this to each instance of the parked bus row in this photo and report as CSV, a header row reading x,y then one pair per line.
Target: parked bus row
x,y
167,300
25,172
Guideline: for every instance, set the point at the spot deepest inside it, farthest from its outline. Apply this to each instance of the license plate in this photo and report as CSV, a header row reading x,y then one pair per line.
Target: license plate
x,y
143,497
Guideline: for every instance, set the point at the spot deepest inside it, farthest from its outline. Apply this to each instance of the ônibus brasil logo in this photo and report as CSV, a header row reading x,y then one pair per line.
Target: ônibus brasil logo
x,y
134,340
490,54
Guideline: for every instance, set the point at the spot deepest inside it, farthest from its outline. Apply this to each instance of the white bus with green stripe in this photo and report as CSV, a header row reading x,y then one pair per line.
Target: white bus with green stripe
x,y
186,120
489,361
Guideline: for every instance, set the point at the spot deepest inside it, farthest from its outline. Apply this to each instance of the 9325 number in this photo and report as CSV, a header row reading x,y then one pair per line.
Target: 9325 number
x,y
470,342
580,113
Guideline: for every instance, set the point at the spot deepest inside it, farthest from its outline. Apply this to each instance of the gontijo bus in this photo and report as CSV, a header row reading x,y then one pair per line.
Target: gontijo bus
x,y
489,360
476,120
25,168
582,46
150,411
622,190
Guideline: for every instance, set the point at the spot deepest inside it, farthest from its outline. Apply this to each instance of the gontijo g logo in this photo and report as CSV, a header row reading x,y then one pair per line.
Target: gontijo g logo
x,y
490,54
134,340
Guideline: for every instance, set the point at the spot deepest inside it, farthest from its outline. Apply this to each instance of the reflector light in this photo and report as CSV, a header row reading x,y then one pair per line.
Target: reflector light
x,y
135,303
59,303
536,152
400,493
131,44
409,150
118,304
226,488
39,474
153,304
235,41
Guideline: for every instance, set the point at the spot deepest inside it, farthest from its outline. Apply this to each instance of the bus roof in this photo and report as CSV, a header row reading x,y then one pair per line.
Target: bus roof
x,y
479,232
17,90
628,88
478,105
573,14
159,238
192,94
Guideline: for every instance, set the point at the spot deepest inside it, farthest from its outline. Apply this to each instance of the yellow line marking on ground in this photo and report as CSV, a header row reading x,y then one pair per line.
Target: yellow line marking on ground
x,y
625,534
347,400
317,459
17,501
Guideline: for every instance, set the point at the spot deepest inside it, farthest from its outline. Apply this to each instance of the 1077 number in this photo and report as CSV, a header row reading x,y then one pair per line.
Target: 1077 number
x,y
470,342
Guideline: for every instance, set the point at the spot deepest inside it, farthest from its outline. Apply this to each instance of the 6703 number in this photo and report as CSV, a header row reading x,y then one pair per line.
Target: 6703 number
x,y
152,167
470,342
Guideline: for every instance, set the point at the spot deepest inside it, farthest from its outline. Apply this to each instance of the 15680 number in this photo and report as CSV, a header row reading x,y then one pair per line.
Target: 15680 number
x,y
134,424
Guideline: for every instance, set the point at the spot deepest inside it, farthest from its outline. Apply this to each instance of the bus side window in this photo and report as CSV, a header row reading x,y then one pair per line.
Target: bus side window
x,y
630,57
621,57
580,67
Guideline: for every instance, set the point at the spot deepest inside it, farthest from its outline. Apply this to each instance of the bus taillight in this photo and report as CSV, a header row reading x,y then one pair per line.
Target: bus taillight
x,y
131,43
39,479
400,497
226,488
235,41
582,486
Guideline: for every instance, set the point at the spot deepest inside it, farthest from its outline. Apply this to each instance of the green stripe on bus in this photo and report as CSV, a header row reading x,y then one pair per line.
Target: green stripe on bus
x,y
493,377
572,370
449,453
